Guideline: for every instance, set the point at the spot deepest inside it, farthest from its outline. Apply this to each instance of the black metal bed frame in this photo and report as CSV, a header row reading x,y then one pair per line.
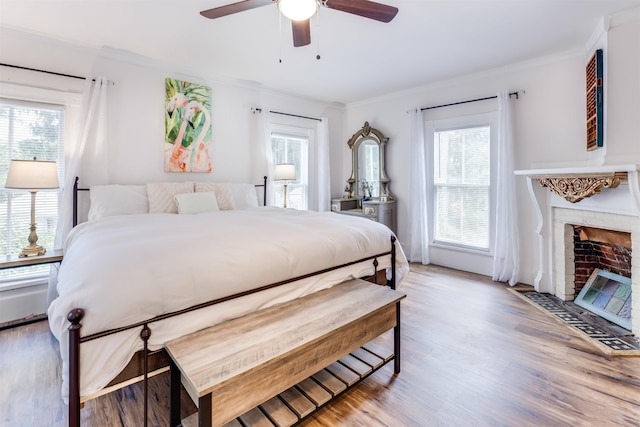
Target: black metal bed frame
x,y
76,315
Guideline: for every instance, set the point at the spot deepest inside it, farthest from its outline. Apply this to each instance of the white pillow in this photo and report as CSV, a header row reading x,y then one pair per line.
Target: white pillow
x,y
194,203
223,191
161,195
110,200
244,196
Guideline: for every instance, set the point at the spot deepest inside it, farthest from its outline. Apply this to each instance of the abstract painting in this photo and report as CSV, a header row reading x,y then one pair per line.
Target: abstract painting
x,y
187,139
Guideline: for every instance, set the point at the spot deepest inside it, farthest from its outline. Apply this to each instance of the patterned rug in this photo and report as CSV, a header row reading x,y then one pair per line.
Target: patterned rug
x,y
608,339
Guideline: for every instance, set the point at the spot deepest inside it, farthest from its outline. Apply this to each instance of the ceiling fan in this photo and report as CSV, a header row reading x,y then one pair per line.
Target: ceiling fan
x,y
299,11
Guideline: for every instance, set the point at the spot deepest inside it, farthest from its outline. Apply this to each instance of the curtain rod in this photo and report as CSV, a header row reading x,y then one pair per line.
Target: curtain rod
x,y
516,94
49,72
259,110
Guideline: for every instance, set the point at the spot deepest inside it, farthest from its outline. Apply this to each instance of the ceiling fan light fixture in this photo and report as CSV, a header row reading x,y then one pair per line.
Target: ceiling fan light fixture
x,y
298,10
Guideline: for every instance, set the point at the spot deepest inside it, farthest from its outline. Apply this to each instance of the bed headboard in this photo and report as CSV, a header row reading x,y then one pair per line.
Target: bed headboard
x,y
77,189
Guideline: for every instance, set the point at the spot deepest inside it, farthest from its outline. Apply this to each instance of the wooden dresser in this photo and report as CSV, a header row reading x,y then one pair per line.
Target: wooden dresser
x,y
375,210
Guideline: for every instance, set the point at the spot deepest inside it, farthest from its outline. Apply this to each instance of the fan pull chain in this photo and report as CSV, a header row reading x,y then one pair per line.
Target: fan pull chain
x,y
318,33
280,37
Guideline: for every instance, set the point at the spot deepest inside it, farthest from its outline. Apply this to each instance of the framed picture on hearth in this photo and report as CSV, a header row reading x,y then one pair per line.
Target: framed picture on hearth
x,y
609,296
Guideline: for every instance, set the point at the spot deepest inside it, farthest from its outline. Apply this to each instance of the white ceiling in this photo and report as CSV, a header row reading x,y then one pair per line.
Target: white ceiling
x,y
428,41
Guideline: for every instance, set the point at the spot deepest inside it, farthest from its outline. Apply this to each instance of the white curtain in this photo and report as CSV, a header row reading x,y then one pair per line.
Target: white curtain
x,y
85,157
507,242
418,214
322,197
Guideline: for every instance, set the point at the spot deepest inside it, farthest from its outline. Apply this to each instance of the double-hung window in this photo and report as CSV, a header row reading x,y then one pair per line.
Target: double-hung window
x,y
291,148
462,193
28,130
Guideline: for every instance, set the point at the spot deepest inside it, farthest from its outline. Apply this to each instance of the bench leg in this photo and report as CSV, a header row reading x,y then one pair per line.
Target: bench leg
x,y
204,411
396,341
174,400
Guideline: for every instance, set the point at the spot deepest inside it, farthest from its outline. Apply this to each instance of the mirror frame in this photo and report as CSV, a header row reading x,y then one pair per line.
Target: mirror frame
x,y
367,133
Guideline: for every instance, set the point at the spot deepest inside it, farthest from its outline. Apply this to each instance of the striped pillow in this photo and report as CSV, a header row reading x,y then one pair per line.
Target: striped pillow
x,y
161,195
224,193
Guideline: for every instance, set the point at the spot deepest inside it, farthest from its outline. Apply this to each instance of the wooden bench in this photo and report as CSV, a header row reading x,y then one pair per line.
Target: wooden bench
x,y
230,368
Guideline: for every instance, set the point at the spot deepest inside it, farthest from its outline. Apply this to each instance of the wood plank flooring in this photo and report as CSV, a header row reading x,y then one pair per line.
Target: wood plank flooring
x,y
473,354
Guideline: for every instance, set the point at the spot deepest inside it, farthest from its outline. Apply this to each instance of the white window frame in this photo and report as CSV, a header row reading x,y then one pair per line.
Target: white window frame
x,y
468,121
69,102
302,181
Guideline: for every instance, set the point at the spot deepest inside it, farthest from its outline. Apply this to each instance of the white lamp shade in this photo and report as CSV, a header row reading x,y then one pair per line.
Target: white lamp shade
x,y
285,171
298,10
32,175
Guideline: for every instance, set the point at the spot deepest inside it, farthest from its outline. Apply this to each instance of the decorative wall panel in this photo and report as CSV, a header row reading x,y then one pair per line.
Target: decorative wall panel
x,y
595,95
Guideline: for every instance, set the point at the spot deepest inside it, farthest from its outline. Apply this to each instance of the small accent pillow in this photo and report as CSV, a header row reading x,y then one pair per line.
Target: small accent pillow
x,y
245,196
111,200
223,191
194,203
161,195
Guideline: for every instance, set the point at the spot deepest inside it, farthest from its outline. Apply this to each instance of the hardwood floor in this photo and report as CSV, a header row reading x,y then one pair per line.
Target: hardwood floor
x,y
473,354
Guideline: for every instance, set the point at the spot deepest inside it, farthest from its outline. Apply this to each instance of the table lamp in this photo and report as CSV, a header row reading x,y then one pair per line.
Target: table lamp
x,y
285,172
32,175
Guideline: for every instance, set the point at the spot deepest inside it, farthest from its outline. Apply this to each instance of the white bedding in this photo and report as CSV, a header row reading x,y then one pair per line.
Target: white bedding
x,y
125,269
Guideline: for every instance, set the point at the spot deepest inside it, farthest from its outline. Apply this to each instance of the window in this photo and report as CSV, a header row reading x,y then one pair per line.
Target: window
x,y
28,130
294,149
461,186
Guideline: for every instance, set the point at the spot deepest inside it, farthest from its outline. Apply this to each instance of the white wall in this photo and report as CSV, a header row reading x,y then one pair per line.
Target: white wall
x,y
549,124
623,88
136,123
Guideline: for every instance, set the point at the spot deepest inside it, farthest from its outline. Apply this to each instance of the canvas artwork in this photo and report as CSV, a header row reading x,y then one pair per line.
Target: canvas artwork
x,y
187,127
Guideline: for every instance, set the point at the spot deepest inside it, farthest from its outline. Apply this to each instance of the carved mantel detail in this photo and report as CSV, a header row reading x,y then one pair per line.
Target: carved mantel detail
x,y
575,188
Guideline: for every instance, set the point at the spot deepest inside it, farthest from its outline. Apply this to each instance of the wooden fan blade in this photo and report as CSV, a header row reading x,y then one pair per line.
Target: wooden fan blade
x,y
301,33
229,9
365,8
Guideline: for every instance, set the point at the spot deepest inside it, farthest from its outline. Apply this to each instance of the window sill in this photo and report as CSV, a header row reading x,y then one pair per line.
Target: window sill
x,y
453,247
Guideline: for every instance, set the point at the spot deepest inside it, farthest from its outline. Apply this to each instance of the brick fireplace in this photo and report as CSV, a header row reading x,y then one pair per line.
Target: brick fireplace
x,y
599,248
604,200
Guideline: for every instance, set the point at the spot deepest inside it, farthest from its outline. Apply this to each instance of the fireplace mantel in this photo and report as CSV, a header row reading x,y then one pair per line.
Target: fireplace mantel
x,y
579,170
618,200
577,183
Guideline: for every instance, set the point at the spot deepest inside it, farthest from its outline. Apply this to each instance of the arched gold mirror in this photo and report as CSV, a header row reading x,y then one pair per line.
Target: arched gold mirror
x,y
367,193
368,180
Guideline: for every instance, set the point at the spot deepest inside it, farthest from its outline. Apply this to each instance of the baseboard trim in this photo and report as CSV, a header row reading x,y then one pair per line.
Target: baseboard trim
x,y
23,322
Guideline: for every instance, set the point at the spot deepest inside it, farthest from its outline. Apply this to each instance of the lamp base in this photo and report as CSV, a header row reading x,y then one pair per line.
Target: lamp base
x,y
32,250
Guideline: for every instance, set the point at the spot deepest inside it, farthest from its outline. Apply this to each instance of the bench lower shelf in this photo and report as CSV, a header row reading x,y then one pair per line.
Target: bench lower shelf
x,y
295,404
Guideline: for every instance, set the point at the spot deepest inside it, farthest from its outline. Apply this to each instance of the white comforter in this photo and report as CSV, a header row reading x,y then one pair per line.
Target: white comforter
x,y
126,269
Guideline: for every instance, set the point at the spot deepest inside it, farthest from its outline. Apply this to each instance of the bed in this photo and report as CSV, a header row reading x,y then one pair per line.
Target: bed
x,y
165,266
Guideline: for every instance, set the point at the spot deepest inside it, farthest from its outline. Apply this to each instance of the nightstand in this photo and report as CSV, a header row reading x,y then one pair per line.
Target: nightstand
x,y
13,261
